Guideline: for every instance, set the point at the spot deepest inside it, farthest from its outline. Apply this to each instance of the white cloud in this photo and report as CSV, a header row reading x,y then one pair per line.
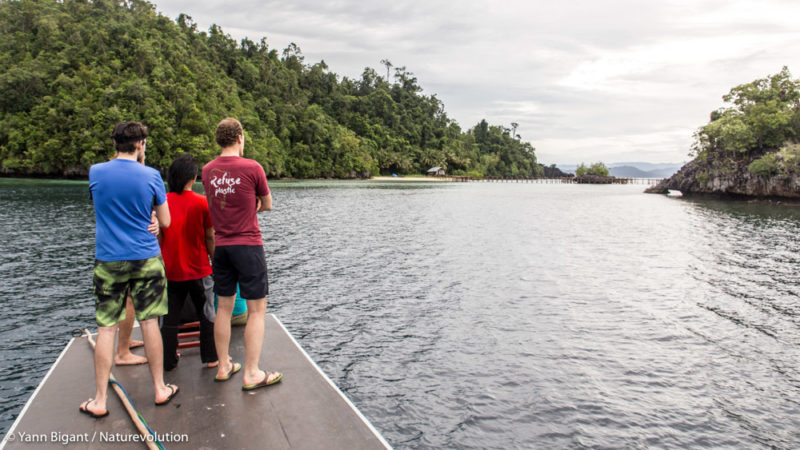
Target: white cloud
x,y
586,80
658,146
641,68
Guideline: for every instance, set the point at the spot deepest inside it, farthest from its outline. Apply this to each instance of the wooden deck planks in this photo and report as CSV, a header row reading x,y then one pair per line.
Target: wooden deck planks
x,y
304,411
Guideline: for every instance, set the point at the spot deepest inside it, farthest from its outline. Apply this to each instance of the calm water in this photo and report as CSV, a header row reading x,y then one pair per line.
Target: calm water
x,y
484,315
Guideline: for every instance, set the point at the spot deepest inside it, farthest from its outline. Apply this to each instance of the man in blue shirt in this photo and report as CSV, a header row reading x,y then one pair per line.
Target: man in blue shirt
x,y
127,258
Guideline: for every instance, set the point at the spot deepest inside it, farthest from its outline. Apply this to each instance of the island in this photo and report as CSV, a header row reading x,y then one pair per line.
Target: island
x,y
748,149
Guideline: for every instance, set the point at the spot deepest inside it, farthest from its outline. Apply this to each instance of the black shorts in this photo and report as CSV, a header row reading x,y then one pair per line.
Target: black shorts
x,y
242,264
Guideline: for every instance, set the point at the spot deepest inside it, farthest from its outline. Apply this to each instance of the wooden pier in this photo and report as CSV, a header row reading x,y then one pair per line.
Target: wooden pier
x,y
304,411
561,180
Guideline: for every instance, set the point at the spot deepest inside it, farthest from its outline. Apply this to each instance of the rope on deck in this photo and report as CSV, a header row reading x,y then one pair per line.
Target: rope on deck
x,y
150,437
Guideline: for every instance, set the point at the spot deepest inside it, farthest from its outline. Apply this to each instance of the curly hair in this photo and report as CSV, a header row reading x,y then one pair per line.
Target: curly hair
x,y
228,131
127,134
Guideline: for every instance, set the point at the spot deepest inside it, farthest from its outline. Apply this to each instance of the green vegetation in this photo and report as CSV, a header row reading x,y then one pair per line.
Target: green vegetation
x,y
760,129
597,169
785,162
764,166
69,70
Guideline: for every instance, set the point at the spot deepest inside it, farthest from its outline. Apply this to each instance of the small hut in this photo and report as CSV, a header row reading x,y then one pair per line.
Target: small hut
x,y
436,172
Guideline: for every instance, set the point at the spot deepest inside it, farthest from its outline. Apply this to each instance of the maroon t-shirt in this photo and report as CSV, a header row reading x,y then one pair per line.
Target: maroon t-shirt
x,y
232,184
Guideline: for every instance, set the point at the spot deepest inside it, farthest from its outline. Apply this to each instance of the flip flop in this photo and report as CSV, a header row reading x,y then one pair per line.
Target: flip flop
x,y
171,395
84,409
235,367
264,382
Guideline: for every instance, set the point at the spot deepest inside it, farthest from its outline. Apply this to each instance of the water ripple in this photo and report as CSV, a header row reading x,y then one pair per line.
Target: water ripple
x,y
486,315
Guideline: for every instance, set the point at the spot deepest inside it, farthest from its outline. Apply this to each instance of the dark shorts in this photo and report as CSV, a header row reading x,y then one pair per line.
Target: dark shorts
x,y
146,281
242,264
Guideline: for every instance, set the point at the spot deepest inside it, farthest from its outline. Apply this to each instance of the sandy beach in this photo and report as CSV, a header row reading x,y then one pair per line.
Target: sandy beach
x,y
425,179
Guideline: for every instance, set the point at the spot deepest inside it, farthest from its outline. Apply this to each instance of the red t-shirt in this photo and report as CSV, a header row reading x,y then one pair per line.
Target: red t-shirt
x,y
183,243
232,184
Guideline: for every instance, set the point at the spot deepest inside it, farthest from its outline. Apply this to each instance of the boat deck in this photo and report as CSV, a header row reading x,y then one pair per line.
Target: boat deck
x,y
304,411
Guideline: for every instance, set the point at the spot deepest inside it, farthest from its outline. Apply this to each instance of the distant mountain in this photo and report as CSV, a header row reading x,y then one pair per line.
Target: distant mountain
x,y
568,168
649,167
635,172
633,169
628,172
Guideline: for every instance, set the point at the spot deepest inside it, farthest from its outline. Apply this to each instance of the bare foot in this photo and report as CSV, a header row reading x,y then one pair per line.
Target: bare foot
x,y
129,359
133,343
216,363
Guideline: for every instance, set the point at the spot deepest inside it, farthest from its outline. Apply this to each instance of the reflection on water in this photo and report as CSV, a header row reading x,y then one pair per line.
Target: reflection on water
x,y
485,315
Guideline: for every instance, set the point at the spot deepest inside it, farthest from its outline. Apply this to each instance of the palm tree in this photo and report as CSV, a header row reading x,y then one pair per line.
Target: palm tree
x,y
388,65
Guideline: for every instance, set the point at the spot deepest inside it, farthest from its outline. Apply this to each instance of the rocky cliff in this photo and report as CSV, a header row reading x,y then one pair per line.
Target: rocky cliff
x,y
733,178
749,148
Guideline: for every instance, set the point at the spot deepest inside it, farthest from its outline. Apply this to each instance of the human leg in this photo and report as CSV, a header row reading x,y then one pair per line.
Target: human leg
x,y
110,280
210,311
123,356
254,339
103,354
222,334
197,294
132,343
225,280
154,351
176,294
149,294
254,286
209,308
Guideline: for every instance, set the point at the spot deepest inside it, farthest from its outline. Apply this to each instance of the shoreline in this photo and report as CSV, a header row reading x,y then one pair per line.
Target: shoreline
x,y
417,179
378,178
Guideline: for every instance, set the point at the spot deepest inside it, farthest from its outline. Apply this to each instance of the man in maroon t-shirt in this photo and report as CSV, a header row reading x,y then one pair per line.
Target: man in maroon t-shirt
x,y
237,189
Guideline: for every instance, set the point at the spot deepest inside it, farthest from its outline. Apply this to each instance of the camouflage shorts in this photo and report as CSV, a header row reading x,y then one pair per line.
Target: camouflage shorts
x,y
146,281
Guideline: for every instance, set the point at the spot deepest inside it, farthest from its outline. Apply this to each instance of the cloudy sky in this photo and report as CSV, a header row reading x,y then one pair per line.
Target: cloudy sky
x,y
587,81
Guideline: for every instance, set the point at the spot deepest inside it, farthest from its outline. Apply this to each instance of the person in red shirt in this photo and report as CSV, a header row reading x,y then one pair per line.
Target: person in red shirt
x,y
237,190
186,247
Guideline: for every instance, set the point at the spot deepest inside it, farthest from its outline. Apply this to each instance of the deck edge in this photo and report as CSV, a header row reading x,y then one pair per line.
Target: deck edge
x,y
35,393
333,385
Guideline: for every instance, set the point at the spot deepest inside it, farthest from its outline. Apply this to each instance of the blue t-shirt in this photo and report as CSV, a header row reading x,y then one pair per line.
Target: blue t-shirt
x,y
124,193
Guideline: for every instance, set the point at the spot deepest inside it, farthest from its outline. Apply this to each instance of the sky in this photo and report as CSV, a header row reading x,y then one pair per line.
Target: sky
x,y
587,81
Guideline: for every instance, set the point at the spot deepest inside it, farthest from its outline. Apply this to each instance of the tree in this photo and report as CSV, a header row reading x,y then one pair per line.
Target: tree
x,y
62,88
598,169
388,65
764,114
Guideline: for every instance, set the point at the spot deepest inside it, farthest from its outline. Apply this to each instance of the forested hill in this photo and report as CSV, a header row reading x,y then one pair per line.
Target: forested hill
x,y
71,69
750,148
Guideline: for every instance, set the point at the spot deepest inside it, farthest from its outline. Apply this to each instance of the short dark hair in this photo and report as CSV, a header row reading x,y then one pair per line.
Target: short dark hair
x,y
182,170
228,130
127,134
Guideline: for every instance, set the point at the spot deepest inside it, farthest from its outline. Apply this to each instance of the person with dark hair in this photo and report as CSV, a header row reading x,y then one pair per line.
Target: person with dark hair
x,y
127,259
237,189
124,356
187,246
